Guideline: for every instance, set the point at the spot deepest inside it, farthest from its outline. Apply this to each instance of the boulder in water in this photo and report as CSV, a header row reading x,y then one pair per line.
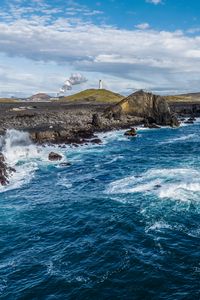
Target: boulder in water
x,y
96,141
131,132
54,156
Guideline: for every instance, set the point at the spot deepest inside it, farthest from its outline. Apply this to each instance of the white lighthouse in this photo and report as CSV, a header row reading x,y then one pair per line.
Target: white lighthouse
x,y
100,84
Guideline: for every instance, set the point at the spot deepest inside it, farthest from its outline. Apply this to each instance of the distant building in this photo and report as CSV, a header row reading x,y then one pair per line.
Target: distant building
x,y
100,84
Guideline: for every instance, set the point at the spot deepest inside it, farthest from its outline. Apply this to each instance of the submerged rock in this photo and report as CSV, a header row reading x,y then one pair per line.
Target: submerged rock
x,y
131,132
54,156
65,164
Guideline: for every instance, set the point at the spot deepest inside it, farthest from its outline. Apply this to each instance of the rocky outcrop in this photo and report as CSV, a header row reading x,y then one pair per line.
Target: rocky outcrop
x,y
153,108
96,121
5,171
61,135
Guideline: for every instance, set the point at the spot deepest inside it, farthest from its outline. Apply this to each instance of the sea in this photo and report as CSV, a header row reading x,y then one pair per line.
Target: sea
x,y
121,222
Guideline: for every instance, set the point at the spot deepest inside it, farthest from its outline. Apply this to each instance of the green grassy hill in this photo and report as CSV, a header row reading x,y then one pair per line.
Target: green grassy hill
x,y
7,100
94,95
193,97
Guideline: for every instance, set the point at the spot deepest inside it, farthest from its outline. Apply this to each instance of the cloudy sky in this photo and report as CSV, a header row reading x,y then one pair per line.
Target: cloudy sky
x,y
129,44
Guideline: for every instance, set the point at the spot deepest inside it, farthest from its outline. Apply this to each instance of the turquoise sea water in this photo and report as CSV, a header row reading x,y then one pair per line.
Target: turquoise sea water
x,y
122,222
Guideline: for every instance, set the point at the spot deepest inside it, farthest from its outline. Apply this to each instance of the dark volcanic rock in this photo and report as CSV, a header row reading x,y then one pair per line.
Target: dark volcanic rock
x,y
96,141
96,121
148,124
189,122
61,135
192,119
186,109
174,121
5,171
145,105
54,156
131,132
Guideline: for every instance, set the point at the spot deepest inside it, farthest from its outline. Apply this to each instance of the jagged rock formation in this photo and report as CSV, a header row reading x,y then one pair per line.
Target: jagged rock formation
x,y
153,108
61,135
5,171
96,121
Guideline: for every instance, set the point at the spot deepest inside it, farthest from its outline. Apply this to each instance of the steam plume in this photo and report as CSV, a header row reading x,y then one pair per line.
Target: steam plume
x,y
74,79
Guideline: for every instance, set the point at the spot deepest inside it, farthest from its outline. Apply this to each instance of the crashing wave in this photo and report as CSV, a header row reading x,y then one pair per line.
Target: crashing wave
x,y
178,184
23,155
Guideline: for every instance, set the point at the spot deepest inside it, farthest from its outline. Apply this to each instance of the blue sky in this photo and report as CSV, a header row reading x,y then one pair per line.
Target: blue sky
x,y
149,44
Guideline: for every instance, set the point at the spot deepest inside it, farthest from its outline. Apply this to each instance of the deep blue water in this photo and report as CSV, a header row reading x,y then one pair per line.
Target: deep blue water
x,y
122,222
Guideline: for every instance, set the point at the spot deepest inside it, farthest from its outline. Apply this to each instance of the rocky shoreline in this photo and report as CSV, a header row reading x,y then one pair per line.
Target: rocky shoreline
x,y
78,123
69,123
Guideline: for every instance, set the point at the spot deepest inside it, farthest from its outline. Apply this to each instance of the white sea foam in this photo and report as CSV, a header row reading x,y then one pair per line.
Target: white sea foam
x,y
157,226
179,184
64,182
185,124
181,139
23,155
115,135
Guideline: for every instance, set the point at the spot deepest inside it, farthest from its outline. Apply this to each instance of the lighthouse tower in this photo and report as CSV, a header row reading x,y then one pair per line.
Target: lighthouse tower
x,y
100,84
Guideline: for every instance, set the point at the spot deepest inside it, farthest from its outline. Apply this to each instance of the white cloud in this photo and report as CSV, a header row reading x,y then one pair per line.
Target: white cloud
x,y
156,2
143,26
156,60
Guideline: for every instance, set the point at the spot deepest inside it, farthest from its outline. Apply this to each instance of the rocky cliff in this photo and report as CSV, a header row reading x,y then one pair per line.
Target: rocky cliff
x,y
187,109
153,108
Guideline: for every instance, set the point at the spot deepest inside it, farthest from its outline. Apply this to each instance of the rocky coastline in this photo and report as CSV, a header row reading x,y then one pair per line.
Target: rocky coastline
x,y
69,123
78,123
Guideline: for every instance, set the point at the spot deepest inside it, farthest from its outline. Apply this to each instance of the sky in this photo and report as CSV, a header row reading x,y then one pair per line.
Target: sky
x,y
129,44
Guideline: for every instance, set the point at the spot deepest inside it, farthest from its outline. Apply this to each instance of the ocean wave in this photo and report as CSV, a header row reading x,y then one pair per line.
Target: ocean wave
x,y
181,139
158,226
62,181
115,135
178,184
21,154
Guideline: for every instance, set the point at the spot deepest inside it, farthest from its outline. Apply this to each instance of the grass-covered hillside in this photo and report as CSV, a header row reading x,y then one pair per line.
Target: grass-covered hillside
x,y
94,95
193,97
7,100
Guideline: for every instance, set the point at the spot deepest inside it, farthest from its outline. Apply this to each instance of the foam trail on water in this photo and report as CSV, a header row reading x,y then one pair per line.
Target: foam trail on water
x,y
177,184
189,137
